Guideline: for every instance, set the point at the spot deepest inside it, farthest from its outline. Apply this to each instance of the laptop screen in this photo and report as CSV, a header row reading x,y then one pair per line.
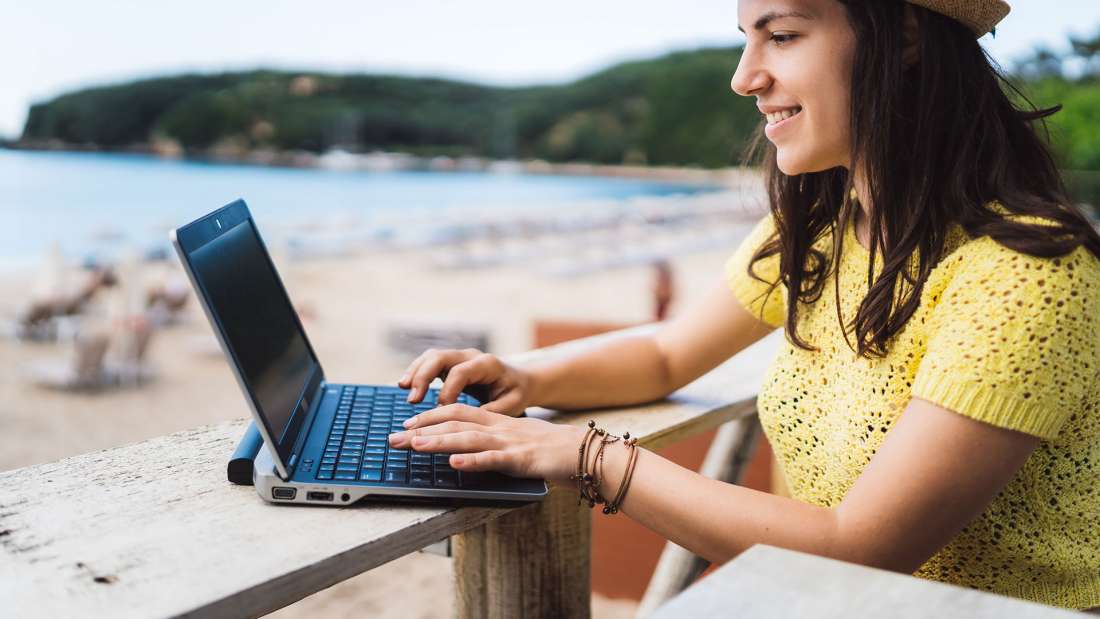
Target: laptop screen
x,y
258,324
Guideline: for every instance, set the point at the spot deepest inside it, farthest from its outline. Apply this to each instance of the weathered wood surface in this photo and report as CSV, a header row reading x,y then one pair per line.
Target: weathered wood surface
x,y
765,582
153,528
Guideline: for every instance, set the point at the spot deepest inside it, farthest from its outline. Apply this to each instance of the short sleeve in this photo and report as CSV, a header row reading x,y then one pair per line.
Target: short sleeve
x,y
1013,338
752,293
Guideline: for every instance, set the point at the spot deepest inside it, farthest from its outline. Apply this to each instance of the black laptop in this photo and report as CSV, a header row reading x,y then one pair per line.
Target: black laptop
x,y
326,442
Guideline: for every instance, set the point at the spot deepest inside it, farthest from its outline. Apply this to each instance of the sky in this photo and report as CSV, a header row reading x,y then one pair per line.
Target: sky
x,y
51,47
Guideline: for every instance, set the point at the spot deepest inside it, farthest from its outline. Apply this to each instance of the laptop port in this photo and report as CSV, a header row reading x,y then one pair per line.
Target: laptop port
x,y
283,493
319,496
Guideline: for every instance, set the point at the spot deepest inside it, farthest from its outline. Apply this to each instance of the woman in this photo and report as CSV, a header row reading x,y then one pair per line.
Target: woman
x,y
948,429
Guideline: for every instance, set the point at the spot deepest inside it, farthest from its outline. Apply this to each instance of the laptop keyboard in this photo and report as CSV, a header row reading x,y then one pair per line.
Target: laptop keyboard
x,y
358,448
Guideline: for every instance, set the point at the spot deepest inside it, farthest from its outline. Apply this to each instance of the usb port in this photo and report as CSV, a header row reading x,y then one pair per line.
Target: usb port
x,y
283,493
319,496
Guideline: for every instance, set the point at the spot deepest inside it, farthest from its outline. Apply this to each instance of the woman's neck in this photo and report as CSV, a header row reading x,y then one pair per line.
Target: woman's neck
x,y
862,222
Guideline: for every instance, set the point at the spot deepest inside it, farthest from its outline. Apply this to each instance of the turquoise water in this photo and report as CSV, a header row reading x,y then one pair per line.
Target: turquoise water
x,y
93,205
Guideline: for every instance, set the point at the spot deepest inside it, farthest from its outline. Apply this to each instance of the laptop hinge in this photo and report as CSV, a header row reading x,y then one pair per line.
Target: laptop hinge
x,y
314,400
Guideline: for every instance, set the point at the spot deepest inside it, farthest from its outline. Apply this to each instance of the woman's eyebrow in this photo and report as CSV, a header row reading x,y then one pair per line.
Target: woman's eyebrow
x,y
773,15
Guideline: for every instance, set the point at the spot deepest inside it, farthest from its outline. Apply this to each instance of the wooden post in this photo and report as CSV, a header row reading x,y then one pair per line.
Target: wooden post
x,y
532,562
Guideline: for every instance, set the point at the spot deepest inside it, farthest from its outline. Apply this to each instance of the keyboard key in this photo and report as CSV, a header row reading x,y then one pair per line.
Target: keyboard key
x,y
397,477
427,470
370,475
420,479
375,450
446,479
347,467
324,475
374,458
371,464
422,459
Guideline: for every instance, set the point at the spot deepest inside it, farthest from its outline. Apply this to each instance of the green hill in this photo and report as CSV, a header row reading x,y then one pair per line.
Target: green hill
x,y
672,110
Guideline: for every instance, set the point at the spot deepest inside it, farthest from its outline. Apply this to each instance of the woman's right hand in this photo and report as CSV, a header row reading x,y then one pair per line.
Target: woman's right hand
x,y
508,388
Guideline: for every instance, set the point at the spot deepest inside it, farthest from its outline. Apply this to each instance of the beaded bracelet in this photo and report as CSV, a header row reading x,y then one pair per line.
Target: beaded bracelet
x,y
590,483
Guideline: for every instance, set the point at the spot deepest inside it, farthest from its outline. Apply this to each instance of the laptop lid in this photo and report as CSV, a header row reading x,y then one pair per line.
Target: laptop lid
x,y
256,324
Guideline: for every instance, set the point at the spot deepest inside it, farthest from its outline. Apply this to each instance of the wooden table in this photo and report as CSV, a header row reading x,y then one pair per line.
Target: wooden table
x,y
153,528
766,582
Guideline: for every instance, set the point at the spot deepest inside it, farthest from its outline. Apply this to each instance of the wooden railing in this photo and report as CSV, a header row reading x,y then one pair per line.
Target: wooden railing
x,y
153,529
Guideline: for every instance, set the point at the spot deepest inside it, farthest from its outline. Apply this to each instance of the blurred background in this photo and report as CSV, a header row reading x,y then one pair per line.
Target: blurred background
x,y
426,173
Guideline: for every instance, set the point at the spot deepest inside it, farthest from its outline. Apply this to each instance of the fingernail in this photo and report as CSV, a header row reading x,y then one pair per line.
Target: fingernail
x,y
403,378
412,394
408,422
458,459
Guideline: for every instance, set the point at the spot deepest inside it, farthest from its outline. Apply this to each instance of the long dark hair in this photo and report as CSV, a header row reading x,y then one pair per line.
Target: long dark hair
x,y
937,142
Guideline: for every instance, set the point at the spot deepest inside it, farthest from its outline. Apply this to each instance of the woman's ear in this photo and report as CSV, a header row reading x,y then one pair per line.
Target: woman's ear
x,y
910,32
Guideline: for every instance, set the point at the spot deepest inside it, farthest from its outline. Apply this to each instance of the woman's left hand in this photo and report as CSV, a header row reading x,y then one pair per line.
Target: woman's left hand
x,y
481,440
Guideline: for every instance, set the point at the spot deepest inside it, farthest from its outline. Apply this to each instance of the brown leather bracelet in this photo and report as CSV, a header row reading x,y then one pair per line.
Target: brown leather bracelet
x,y
613,506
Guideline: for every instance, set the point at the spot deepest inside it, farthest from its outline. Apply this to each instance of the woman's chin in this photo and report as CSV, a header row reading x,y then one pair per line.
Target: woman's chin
x,y
792,164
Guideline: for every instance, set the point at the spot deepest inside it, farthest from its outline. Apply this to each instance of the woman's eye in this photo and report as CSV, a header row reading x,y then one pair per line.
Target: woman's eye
x,y
781,39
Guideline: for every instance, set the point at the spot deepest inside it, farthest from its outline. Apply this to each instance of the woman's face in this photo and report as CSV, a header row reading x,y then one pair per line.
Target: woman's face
x,y
797,63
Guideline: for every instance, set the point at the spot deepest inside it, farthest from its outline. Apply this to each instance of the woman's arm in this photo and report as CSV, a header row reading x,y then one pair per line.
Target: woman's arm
x,y
935,472
620,372
643,369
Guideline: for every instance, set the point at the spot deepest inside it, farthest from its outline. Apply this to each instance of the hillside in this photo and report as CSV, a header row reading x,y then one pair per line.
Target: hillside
x,y
673,110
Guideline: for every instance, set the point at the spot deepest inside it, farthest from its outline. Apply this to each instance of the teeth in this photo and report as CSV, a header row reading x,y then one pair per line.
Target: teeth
x,y
783,115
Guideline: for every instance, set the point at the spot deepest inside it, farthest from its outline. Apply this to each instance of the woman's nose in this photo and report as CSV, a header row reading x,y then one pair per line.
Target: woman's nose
x,y
749,78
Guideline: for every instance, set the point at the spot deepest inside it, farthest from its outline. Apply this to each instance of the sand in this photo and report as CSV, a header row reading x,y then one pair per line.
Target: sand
x,y
356,298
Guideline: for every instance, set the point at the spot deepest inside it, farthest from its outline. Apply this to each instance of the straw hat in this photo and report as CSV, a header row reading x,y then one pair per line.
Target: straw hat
x,y
981,16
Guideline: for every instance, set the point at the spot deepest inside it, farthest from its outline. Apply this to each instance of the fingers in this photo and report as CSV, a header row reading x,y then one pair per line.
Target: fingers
x,y
482,368
428,366
457,442
402,440
492,460
456,412
508,404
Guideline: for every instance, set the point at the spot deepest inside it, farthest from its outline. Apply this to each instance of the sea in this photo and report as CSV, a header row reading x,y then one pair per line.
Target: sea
x,y
92,207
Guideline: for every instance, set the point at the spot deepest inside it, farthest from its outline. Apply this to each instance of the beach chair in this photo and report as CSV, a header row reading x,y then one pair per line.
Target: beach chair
x,y
86,372
129,367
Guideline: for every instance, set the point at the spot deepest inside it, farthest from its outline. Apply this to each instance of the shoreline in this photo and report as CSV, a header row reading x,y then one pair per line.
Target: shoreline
x,y
395,161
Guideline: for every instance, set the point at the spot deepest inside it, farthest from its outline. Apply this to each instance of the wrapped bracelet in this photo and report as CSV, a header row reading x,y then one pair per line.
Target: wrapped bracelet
x,y
613,506
590,482
581,476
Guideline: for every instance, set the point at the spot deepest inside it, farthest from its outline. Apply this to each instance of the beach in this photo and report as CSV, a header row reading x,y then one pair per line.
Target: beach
x,y
496,285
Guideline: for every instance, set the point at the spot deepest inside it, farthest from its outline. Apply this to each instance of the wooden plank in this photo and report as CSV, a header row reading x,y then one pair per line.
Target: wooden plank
x,y
154,529
765,582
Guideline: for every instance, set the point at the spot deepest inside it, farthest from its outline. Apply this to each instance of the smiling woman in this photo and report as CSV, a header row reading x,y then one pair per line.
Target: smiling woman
x,y
954,438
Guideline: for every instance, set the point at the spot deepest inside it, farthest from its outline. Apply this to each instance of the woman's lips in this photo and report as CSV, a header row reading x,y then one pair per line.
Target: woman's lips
x,y
774,128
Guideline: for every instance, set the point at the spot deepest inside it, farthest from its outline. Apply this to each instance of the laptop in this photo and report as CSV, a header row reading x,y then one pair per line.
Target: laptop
x,y
326,443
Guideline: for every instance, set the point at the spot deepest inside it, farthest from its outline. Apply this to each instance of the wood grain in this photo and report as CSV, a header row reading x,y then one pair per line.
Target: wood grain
x,y
154,528
765,582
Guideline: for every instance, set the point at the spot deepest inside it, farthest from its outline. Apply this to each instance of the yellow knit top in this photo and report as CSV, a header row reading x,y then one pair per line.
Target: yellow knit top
x,y
1000,336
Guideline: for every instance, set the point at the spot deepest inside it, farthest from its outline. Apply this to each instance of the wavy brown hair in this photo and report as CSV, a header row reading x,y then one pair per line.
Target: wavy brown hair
x,y
937,142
